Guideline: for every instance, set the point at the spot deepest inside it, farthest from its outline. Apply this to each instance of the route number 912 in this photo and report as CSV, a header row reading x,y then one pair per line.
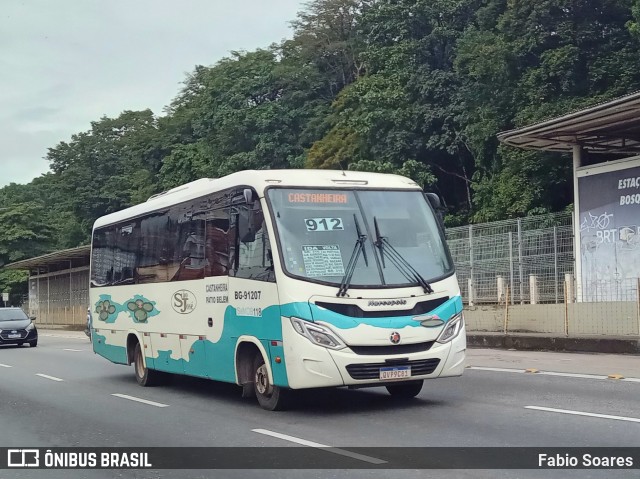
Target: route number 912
x,y
324,224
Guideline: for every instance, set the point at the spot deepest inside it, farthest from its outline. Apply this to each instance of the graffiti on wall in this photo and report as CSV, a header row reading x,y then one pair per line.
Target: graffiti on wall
x,y
609,228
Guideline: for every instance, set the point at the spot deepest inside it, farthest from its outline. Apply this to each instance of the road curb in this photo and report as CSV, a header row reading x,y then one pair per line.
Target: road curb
x,y
547,343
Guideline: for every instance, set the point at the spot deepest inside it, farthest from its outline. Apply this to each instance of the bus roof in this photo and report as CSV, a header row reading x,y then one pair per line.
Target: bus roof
x,y
259,180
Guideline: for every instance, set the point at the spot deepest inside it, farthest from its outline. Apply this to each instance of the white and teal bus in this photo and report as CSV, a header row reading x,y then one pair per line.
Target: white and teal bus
x,y
279,280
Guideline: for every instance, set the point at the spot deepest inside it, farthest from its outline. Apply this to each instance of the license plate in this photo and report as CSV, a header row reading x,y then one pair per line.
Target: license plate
x,y
398,372
15,336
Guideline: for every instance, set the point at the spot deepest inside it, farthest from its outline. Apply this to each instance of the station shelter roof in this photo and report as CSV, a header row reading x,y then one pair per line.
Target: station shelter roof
x,y
612,127
56,261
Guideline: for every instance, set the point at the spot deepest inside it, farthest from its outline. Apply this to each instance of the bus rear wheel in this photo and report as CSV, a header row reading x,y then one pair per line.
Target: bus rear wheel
x,y
270,397
144,375
406,390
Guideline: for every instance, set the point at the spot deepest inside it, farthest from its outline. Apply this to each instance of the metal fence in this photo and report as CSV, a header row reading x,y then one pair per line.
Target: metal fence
x,y
522,260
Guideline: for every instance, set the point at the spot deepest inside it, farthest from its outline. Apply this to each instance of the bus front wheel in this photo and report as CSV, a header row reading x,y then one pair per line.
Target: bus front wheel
x,y
270,397
405,390
144,375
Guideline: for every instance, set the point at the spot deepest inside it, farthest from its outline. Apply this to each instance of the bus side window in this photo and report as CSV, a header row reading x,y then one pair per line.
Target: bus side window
x,y
190,250
252,248
126,255
154,262
217,243
102,254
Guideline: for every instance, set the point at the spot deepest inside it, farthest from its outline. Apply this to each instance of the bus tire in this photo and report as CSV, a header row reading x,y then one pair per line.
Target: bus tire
x,y
270,397
146,377
406,390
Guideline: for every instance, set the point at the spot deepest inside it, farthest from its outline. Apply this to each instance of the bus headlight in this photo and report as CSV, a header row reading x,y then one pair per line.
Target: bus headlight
x,y
451,329
317,334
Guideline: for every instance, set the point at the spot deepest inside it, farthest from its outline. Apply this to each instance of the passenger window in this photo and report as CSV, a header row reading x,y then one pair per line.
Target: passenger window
x,y
102,257
217,243
126,253
190,258
184,242
156,249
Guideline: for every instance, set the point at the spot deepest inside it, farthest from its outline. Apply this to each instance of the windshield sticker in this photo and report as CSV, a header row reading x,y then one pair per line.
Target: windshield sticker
x,y
322,260
324,224
318,198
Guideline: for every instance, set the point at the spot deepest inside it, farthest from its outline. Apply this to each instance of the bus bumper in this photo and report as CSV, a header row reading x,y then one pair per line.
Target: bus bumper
x,y
312,366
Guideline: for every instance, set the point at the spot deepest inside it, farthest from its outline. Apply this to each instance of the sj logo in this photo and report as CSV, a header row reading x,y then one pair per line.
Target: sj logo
x,y
184,301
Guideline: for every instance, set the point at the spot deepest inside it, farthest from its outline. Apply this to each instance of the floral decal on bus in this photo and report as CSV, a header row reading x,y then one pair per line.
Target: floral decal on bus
x,y
105,309
141,309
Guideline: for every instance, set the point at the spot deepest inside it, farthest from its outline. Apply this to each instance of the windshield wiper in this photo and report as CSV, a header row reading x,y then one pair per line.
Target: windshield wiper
x,y
398,260
353,261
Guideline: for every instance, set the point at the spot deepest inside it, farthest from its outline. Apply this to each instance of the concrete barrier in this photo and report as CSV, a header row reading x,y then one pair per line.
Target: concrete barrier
x,y
532,342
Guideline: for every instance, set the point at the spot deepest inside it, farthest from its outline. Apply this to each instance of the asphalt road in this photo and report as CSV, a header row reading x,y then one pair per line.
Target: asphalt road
x,y
61,394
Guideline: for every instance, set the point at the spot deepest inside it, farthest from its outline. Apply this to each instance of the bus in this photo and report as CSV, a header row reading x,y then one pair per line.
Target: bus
x,y
278,280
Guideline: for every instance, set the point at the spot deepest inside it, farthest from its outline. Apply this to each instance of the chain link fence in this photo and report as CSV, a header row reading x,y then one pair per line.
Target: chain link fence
x,y
523,260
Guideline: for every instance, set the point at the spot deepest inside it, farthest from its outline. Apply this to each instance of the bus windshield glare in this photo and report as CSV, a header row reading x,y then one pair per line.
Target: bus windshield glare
x,y
319,231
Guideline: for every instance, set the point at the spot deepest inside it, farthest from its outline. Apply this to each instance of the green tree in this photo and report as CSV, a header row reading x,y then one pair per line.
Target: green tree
x,y
522,62
414,87
109,167
328,34
252,110
24,234
404,108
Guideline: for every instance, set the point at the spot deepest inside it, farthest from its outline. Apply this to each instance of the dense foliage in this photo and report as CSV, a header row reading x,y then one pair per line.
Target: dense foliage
x,y
419,87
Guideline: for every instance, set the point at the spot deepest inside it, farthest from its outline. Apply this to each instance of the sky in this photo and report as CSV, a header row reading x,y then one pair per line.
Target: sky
x,y
66,63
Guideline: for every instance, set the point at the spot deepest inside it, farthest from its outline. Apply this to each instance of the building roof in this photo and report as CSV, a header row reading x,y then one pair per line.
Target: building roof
x,y
54,261
611,127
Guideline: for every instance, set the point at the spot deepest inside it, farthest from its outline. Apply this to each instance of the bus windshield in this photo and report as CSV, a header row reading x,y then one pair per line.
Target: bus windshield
x,y
319,229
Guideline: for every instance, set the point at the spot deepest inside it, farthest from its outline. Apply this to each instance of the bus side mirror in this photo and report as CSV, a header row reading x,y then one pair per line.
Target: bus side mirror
x,y
436,203
248,196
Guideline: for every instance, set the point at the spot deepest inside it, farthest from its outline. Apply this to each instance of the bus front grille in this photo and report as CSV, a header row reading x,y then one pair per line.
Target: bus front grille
x,y
392,348
372,370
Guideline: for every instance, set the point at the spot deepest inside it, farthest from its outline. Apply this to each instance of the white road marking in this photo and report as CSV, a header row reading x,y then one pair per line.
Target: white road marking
x,y
144,401
551,373
573,375
53,378
5,366
580,413
74,350
335,450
